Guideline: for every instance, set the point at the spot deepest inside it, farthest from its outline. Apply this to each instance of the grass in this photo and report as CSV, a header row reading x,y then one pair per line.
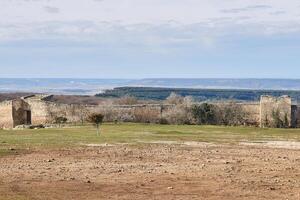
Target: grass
x,y
136,133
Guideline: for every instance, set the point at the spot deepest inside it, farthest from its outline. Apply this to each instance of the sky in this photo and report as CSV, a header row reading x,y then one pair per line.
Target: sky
x,y
150,38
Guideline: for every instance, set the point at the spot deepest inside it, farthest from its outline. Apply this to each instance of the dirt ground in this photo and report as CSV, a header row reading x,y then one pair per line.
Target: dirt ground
x,y
153,171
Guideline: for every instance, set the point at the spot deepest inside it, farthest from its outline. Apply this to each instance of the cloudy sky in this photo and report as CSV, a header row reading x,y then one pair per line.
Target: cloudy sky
x,y
150,38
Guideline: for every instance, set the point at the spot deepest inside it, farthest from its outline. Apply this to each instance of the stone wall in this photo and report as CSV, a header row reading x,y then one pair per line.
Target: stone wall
x,y
39,111
45,112
13,113
6,117
21,113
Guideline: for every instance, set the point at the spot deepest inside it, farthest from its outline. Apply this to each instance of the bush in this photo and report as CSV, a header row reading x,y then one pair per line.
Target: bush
x,y
96,119
174,99
146,115
162,121
278,122
126,100
231,114
204,113
178,115
60,120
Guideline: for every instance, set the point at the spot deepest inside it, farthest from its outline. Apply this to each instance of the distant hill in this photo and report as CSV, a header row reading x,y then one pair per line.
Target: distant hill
x,y
153,93
216,83
94,86
11,96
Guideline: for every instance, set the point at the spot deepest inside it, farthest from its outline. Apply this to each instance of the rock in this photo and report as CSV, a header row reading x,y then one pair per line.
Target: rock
x,y
170,188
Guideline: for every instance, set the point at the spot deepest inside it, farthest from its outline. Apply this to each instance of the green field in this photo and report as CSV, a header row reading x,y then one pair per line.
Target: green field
x,y
21,140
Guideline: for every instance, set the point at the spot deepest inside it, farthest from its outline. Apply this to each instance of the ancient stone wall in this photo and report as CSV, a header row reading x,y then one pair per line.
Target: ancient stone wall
x,y
257,113
45,112
21,113
39,111
6,117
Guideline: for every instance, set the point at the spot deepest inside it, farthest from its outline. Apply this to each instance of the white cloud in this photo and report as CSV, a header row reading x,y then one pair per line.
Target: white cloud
x,y
50,9
147,22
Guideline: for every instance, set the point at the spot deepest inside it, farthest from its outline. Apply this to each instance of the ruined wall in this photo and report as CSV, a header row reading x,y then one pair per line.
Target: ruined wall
x,y
45,112
137,113
257,113
6,118
39,111
270,105
20,113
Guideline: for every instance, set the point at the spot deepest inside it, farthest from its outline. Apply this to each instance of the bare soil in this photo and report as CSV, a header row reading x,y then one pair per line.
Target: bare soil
x,y
153,171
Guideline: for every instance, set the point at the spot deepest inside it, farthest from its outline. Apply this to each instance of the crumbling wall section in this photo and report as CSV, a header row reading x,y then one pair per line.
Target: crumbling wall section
x,y
6,118
20,111
45,112
39,111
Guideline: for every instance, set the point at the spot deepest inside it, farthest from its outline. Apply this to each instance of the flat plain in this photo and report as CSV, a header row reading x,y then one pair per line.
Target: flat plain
x,y
145,161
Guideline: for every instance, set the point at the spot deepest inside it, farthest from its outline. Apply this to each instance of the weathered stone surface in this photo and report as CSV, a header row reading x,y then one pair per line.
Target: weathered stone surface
x,y
37,110
6,118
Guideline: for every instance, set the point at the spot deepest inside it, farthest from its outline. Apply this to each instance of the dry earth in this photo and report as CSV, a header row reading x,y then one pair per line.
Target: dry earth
x,y
153,171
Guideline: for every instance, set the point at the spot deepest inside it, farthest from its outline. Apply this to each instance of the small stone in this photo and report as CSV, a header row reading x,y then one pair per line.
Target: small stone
x,y
170,188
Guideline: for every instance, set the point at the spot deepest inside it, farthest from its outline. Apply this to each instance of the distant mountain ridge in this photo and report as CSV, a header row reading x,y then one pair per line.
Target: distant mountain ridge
x,y
93,86
217,83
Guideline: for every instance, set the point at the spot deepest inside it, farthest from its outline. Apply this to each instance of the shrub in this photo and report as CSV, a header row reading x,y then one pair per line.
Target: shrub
x,y
179,114
60,120
278,122
126,100
231,114
204,113
97,120
146,115
162,121
174,99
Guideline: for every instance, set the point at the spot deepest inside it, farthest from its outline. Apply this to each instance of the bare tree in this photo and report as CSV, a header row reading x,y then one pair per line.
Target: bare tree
x,y
174,99
127,100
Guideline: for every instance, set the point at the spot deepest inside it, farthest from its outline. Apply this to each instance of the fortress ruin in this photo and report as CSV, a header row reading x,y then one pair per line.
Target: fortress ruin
x,y
37,109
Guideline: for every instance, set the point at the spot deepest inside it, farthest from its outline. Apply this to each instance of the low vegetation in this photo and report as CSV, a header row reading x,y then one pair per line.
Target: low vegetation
x,y
135,134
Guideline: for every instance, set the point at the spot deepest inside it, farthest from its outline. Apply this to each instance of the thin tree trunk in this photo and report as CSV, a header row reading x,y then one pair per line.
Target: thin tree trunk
x,y
98,131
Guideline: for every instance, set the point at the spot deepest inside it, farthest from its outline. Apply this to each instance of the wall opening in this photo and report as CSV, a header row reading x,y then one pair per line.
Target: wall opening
x,y
28,117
